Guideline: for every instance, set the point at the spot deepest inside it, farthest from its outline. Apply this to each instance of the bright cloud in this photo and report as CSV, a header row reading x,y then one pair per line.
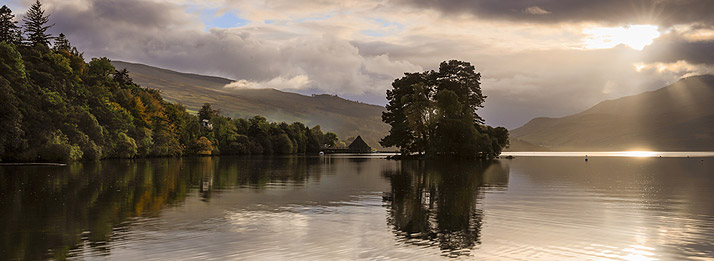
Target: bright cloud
x,y
295,83
634,36
680,67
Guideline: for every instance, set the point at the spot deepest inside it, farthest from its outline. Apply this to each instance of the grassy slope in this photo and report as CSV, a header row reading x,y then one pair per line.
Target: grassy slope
x,y
344,117
676,117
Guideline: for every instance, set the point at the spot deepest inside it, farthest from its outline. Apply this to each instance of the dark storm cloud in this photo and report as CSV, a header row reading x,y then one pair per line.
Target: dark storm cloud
x,y
138,13
673,48
662,12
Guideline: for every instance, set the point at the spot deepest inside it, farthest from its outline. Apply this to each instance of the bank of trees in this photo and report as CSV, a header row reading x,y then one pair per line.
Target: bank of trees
x,y
56,107
435,113
257,135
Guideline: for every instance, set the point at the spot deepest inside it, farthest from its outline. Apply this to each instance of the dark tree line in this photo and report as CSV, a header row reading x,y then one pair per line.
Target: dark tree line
x,y
224,135
435,113
57,107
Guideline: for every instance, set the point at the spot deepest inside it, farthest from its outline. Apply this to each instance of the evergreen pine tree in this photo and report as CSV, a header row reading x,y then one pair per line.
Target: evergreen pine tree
x,y
36,25
18,38
8,27
61,43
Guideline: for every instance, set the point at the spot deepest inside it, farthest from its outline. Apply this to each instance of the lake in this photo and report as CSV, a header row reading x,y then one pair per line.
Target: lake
x,y
360,207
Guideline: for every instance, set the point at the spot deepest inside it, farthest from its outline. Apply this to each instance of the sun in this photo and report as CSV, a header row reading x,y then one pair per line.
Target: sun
x,y
634,36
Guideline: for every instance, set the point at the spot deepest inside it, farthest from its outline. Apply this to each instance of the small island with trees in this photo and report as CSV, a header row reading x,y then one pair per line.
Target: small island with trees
x,y
433,114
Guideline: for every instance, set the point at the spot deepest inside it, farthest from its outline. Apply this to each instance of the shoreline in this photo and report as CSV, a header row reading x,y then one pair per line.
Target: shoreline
x,y
41,164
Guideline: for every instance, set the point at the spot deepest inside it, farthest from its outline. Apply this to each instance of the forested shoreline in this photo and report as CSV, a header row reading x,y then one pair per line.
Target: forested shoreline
x,y
57,108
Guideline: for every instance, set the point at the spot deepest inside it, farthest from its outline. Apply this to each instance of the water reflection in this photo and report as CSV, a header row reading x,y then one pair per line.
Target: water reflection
x,y
357,207
47,211
439,203
51,212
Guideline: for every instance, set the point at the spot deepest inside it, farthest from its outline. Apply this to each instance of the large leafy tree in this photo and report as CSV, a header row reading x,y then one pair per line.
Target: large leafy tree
x,y
401,134
436,113
8,26
36,25
461,78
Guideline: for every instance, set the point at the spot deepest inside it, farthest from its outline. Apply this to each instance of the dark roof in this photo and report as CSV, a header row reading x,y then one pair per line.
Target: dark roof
x,y
359,143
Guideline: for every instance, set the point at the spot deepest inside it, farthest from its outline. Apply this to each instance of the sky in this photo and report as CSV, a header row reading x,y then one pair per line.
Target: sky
x,y
541,58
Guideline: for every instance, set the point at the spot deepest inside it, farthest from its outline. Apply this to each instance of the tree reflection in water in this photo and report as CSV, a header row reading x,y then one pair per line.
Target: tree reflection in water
x,y
54,213
437,203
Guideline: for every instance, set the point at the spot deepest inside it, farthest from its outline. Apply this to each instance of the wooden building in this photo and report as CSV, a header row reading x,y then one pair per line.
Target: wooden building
x,y
357,146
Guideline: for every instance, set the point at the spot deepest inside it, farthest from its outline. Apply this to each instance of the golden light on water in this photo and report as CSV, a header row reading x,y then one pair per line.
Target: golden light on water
x,y
640,153
634,36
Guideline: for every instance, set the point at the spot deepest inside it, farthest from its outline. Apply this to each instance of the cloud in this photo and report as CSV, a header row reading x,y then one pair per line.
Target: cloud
x,y
678,69
264,55
534,10
529,52
295,83
675,47
667,12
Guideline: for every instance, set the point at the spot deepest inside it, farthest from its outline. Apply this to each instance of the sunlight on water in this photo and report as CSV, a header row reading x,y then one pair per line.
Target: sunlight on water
x,y
640,154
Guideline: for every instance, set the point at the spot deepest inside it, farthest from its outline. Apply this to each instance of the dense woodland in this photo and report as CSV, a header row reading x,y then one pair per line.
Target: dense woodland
x,y
434,113
57,108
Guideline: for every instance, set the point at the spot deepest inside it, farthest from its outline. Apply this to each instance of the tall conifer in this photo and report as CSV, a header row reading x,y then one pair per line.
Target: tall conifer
x,y
36,25
8,26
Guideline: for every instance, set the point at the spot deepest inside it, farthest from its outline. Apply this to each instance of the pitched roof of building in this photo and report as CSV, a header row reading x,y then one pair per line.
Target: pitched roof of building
x,y
359,143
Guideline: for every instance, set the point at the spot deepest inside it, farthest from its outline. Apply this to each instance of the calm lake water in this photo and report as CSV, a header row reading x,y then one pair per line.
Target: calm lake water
x,y
360,207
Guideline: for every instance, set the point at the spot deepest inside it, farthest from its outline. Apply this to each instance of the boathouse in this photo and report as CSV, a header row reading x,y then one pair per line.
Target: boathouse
x,y
359,146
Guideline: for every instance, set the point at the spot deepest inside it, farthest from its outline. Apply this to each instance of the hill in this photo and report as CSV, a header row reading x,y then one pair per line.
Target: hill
x,y
344,117
676,117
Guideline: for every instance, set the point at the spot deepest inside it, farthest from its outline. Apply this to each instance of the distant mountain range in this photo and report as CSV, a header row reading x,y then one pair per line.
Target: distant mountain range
x,y
344,117
677,117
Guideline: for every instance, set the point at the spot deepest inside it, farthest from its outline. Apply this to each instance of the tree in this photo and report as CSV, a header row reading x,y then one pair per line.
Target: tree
x,y
122,76
331,139
36,25
401,134
420,113
202,146
8,26
61,43
313,144
282,144
100,67
207,113
318,135
455,132
462,78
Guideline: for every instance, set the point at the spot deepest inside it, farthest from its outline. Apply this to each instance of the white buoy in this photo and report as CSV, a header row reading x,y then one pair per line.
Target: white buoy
x,y
322,153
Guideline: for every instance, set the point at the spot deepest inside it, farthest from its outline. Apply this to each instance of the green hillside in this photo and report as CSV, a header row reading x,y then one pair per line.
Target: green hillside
x,y
332,113
677,117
